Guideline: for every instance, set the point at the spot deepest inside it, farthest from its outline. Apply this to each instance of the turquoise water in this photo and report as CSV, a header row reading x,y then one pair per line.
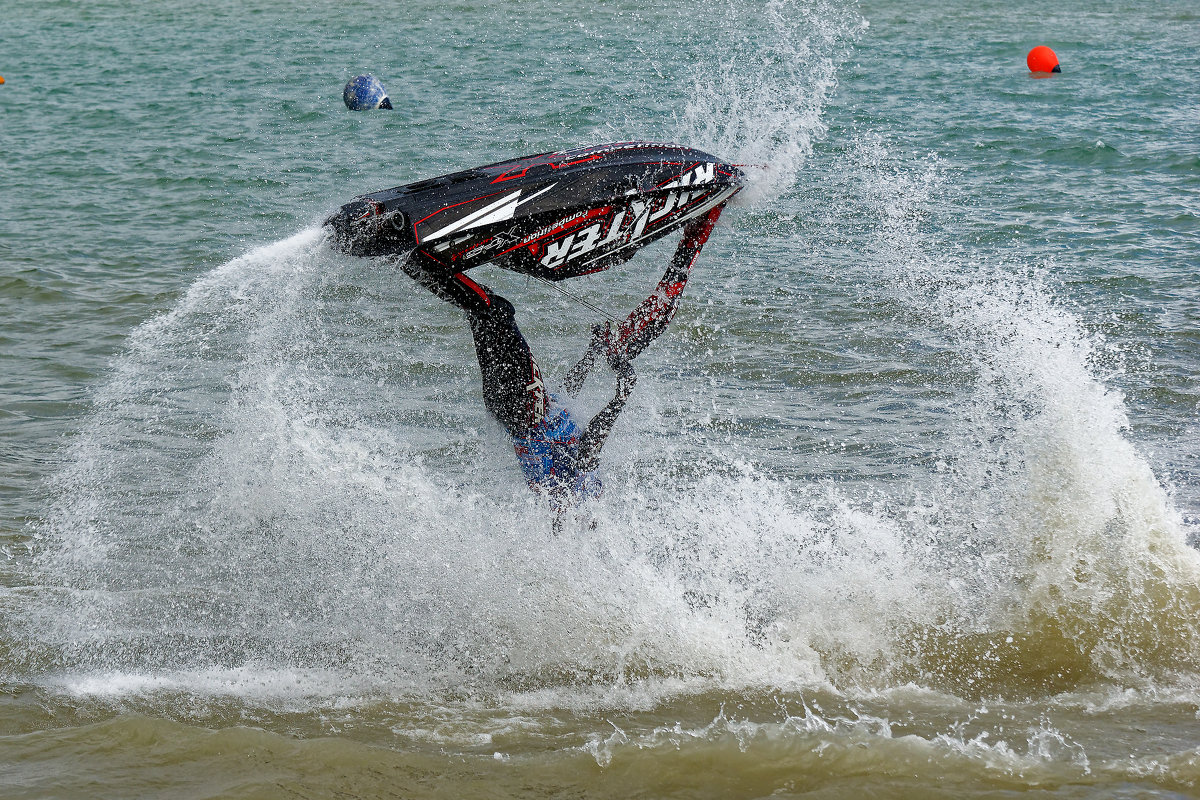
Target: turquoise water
x,y
905,504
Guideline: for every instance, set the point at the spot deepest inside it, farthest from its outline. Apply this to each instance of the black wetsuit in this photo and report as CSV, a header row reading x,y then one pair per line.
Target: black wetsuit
x,y
513,390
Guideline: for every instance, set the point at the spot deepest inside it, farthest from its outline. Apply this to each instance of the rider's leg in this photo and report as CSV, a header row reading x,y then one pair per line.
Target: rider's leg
x,y
512,384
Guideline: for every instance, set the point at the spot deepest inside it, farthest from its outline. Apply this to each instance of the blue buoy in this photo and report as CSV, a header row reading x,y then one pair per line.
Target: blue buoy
x,y
364,93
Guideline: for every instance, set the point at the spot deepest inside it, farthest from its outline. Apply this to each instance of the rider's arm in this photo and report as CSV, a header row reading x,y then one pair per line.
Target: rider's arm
x,y
632,336
592,441
651,317
575,377
655,313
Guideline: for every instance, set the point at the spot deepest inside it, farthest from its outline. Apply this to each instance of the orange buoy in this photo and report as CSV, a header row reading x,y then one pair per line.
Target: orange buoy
x,y
1,79
1042,59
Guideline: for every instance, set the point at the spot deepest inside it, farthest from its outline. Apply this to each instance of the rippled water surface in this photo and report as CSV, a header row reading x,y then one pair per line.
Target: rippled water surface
x,y
906,503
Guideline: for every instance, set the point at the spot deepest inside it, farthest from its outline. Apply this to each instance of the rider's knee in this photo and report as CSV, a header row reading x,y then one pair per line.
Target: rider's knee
x,y
501,308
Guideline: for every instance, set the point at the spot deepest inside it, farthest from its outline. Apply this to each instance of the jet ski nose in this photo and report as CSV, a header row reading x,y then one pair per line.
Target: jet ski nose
x,y
350,225
365,228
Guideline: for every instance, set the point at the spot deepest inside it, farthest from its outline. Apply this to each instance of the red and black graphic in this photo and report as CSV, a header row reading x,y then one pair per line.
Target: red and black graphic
x,y
552,215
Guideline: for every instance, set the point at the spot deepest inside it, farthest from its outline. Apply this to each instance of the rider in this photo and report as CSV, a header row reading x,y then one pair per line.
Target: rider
x,y
555,457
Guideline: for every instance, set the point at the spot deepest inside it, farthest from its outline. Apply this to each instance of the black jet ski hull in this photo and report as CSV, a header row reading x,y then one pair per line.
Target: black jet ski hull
x,y
552,215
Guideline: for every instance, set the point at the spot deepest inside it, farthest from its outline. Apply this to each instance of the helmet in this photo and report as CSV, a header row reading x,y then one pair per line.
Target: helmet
x,y
364,93
547,455
547,452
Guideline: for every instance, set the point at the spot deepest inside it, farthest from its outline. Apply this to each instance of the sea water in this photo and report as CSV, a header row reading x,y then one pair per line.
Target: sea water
x,y
906,502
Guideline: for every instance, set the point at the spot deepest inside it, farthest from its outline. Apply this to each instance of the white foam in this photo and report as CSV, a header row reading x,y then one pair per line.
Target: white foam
x,y
1067,525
